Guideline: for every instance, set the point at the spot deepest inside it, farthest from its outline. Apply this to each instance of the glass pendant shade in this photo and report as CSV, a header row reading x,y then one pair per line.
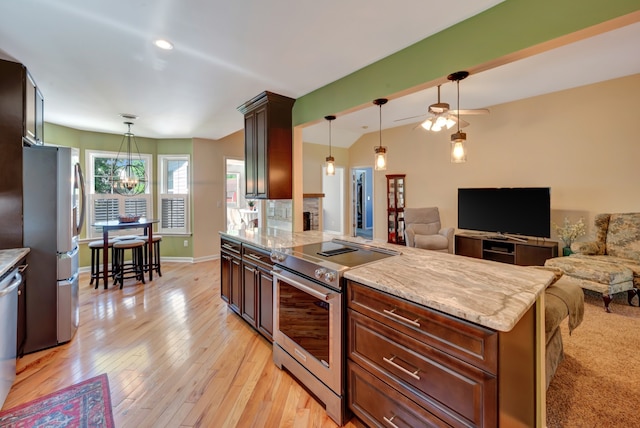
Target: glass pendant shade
x,y
458,149
331,168
330,161
128,176
380,161
381,158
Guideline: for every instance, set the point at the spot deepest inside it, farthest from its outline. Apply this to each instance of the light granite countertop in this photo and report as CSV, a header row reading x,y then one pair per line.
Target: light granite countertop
x,y
494,295
8,258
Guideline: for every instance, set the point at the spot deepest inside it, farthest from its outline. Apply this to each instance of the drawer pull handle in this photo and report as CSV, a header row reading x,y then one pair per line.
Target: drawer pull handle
x,y
229,247
390,421
254,257
392,312
413,374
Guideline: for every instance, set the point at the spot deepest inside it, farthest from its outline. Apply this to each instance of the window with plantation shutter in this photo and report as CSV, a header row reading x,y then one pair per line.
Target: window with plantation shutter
x,y
174,198
103,203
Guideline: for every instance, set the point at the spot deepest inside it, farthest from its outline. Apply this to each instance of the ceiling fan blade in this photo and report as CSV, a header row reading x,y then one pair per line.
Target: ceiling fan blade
x,y
463,123
470,112
410,117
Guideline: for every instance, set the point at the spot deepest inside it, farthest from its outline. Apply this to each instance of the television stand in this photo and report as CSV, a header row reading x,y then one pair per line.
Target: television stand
x,y
523,252
505,237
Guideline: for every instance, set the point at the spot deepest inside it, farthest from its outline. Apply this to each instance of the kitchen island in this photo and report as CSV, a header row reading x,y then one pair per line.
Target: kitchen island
x,y
491,312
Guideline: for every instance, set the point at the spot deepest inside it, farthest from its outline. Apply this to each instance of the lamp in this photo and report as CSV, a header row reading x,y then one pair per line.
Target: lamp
x,y
128,177
458,139
331,168
441,117
381,152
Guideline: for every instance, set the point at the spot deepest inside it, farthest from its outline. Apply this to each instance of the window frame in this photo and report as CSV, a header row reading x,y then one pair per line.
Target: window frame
x,y
92,196
163,194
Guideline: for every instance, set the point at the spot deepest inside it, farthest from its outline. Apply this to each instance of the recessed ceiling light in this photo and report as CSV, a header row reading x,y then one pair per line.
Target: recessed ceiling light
x,y
164,44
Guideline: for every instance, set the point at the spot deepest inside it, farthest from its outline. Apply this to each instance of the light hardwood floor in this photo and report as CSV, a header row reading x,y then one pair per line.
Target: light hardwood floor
x,y
176,356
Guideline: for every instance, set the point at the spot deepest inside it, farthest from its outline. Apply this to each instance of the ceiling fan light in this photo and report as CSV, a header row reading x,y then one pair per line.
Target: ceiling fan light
x,y
427,124
450,122
440,122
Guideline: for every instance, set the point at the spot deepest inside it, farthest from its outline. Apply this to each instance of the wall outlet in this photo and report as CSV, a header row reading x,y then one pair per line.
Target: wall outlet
x,y
186,243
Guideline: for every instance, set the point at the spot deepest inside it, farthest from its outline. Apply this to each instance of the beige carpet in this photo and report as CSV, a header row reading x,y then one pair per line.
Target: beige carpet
x,y
598,383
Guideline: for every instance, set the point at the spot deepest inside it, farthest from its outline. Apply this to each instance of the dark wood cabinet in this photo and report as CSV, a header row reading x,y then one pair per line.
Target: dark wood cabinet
x,y
533,252
246,284
268,146
265,305
395,208
21,122
413,366
250,292
257,288
231,274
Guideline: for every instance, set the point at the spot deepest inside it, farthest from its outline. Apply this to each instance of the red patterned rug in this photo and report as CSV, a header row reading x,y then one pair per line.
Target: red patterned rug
x,y
85,404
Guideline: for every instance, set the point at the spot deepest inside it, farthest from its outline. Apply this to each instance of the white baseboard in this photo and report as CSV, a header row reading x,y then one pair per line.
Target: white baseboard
x,y
84,269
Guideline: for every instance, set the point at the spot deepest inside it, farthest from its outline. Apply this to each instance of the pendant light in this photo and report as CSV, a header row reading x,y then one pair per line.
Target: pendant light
x,y
458,139
331,168
381,152
128,177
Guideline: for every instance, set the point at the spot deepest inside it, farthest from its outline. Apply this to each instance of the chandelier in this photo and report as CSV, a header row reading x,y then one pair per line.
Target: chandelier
x,y
128,176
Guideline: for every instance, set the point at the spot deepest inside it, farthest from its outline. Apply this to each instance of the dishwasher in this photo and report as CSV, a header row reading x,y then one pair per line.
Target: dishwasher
x,y
8,330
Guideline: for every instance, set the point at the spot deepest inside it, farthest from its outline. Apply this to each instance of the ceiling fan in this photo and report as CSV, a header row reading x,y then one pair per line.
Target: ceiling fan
x,y
440,114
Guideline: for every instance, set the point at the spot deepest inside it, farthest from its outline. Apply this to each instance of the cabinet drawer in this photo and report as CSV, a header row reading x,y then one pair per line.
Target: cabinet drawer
x,y
469,342
230,246
257,256
457,392
379,405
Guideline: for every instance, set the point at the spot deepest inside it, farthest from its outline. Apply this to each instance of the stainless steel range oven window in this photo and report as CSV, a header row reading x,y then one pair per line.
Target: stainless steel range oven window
x,y
305,320
308,325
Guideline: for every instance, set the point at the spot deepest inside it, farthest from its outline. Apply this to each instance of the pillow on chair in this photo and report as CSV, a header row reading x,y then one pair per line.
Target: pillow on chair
x,y
432,242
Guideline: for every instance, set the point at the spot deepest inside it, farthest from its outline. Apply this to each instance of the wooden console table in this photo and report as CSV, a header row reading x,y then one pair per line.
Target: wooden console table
x,y
533,252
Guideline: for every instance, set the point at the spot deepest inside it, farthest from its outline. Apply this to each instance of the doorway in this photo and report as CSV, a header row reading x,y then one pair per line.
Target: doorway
x,y
362,185
333,202
234,191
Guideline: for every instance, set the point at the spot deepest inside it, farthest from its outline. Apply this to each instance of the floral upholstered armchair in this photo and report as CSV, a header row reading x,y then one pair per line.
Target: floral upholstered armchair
x,y
609,264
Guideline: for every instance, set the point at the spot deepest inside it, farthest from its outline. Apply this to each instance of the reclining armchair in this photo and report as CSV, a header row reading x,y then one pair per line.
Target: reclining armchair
x,y
423,230
611,263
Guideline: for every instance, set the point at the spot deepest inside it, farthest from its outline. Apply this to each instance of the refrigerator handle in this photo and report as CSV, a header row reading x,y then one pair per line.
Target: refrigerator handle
x,y
83,198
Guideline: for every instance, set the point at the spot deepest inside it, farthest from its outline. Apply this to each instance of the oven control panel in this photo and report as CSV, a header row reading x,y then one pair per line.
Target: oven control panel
x,y
326,275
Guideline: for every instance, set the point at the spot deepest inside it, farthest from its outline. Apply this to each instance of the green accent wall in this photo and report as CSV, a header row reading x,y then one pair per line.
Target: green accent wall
x,y
172,246
507,28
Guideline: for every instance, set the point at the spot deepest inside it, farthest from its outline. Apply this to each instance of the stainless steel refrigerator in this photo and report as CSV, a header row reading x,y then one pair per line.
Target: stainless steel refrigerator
x,y
53,206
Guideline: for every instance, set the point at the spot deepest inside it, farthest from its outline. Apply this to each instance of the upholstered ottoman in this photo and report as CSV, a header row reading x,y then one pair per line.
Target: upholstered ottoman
x,y
562,299
595,275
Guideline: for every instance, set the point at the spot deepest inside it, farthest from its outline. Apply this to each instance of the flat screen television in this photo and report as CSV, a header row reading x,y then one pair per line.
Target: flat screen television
x,y
517,210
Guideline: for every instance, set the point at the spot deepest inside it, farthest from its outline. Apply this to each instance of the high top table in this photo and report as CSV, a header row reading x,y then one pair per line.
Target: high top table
x,y
143,223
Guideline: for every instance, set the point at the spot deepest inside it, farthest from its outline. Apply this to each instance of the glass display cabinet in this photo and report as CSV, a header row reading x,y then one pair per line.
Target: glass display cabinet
x,y
395,208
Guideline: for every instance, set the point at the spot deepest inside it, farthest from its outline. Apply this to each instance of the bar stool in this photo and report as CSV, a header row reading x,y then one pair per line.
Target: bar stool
x,y
155,263
96,273
135,269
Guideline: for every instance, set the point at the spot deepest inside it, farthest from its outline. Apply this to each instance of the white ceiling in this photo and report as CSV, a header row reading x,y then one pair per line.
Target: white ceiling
x,y
94,60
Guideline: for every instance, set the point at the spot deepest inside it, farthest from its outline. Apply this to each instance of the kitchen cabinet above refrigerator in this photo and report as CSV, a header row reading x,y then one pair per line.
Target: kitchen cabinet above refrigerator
x,y
21,123
268,146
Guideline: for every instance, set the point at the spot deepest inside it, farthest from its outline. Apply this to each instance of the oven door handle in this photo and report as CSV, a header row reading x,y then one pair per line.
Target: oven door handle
x,y
315,293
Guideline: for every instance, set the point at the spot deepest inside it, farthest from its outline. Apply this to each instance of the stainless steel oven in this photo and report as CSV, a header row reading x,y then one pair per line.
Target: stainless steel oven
x,y
309,315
